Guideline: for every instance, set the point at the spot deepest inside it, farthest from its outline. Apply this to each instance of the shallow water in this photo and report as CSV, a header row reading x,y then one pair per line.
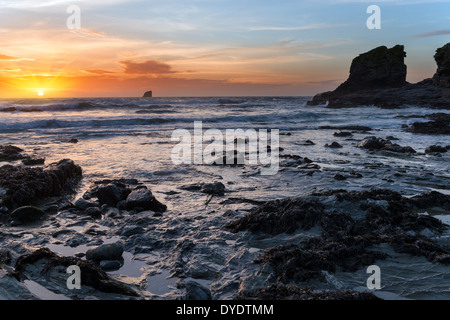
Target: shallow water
x,y
131,138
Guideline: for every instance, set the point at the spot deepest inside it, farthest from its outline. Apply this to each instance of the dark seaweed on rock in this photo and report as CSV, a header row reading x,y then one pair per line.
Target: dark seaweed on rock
x,y
25,185
10,153
345,244
290,292
91,274
275,217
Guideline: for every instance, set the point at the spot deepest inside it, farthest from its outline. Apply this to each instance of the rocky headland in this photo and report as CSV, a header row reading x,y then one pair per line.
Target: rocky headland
x,y
378,78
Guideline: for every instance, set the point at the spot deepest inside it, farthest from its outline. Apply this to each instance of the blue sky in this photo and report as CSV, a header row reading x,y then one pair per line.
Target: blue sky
x,y
280,48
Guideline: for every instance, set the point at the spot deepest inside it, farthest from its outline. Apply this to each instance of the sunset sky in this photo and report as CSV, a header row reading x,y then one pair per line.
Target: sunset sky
x,y
205,47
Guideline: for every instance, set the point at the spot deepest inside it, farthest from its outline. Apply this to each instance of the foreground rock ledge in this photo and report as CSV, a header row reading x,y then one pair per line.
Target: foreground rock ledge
x,y
345,240
24,185
91,274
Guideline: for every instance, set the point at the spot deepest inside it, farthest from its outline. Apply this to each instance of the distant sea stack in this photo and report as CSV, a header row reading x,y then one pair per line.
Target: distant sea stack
x,y
378,78
148,94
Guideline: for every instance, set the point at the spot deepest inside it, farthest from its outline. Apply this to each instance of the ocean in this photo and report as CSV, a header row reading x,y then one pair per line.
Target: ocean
x,y
130,138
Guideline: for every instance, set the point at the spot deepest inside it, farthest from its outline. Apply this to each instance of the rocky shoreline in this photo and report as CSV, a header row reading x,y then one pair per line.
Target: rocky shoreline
x,y
343,231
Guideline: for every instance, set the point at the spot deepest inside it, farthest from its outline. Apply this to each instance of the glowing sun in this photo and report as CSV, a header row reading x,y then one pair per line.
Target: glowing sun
x,y
40,93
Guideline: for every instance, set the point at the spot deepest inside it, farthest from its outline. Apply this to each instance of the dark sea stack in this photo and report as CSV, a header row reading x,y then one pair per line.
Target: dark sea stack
x,y
378,78
378,68
148,94
24,185
442,76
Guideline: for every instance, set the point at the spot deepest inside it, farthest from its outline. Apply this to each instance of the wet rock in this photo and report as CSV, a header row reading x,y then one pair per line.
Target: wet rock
x,y
8,109
350,127
91,274
5,256
429,200
84,204
111,193
24,185
302,263
290,292
195,291
216,188
339,177
128,231
334,145
431,127
33,161
113,213
307,143
112,251
399,149
345,242
374,143
275,217
343,134
93,212
110,265
435,149
27,214
121,205
10,153
143,199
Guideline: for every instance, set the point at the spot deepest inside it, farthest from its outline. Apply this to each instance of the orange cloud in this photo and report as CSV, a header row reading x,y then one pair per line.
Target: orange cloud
x,y
10,58
99,71
146,67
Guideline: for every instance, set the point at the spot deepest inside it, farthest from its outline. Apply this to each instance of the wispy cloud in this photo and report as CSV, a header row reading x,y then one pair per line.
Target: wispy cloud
x,y
433,33
294,28
10,58
100,72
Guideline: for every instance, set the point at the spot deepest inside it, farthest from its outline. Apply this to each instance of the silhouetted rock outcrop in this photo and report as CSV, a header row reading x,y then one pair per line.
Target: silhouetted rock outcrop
x,y
378,68
378,78
442,76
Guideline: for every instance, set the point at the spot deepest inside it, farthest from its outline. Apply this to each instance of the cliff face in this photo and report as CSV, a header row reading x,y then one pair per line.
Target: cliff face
x,y
442,57
378,78
378,68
